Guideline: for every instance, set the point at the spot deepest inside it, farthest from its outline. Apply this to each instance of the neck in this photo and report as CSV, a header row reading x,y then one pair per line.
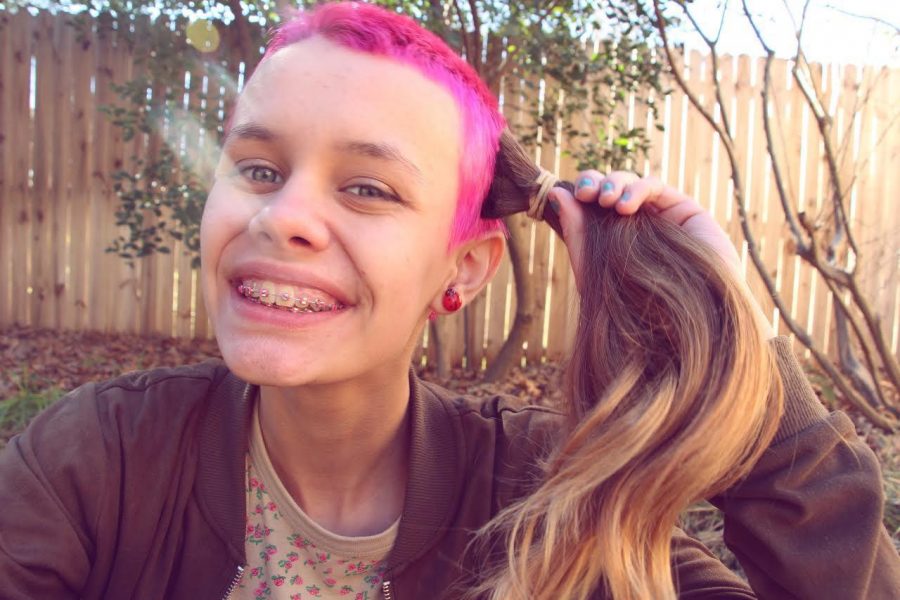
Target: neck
x,y
341,449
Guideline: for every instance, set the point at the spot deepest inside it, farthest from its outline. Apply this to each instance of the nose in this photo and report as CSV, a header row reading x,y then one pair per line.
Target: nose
x,y
293,218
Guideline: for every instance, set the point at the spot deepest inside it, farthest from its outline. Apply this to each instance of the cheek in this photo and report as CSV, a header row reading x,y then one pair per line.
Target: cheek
x,y
225,215
221,222
403,270
424,269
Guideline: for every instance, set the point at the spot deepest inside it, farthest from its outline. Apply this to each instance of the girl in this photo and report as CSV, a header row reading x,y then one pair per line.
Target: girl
x,y
347,208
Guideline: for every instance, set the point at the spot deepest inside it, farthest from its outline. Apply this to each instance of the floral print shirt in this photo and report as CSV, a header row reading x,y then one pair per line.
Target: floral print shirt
x,y
289,556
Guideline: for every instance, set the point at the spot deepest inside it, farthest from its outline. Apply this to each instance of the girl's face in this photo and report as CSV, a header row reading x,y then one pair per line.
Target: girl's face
x,y
336,190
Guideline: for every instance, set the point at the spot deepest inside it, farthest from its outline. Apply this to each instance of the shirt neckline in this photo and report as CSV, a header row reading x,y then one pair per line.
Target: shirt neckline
x,y
374,546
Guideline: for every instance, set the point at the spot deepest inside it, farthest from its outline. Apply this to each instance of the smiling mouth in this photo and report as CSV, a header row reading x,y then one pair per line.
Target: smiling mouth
x,y
287,298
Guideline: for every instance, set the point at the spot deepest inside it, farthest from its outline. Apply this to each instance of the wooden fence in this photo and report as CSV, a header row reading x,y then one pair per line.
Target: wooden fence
x,y
57,202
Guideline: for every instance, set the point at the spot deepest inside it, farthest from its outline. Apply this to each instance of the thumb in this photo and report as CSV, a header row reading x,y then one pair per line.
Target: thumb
x,y
571,220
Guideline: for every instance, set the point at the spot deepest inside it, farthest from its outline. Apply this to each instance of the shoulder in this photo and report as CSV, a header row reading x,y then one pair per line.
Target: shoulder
x,y
139,401
494,409
511,427
141,418
165,379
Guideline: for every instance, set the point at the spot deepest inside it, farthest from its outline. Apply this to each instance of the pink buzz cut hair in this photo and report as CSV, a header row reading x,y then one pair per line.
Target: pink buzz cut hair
x,y
374,30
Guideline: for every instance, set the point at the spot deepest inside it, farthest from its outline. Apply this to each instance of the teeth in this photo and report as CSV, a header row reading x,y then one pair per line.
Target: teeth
x,y
285,296
266,293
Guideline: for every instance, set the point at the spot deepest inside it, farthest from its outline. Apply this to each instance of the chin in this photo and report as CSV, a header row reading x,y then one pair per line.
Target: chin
x,y
262,361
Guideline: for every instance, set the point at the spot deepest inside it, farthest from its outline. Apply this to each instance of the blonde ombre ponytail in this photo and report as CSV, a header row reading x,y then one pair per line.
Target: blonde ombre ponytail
x,y
672,392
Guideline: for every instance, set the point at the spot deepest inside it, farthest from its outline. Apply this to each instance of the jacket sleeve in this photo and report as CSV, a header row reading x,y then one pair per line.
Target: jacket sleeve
x,y
699,575
52,478
807,521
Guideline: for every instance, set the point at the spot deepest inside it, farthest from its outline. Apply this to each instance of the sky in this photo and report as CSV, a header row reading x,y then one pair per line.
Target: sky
x,y
837,31
830,35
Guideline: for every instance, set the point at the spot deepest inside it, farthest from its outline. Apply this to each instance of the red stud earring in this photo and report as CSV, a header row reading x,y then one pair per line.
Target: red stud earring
x,y
452,301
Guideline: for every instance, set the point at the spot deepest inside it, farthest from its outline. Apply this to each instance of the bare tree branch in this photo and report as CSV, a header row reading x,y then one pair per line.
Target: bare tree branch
x,y
721,23
464,31
869,385
802,26
706,39
828,269
711,44
476,24
878,142
878,20
823,121
799,241
438,16
725,136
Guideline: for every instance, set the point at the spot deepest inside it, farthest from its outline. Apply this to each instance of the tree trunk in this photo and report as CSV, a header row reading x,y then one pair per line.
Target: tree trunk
x,y
511,353
441,330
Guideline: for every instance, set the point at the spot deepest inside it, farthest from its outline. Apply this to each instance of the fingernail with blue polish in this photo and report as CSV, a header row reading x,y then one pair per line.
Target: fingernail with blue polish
x,y
608,186
585,182
626,196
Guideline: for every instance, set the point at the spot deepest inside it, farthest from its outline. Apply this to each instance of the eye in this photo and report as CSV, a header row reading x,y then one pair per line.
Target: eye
x,y
370,191
261,174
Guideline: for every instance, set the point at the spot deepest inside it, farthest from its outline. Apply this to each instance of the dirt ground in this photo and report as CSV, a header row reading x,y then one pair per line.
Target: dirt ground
x,y
38,366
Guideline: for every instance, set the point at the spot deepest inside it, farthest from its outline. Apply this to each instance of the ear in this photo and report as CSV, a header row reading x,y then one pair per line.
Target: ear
x,y
476,262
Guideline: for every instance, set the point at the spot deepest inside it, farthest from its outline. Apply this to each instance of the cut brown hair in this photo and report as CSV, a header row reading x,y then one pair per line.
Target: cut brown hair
x,y
672,395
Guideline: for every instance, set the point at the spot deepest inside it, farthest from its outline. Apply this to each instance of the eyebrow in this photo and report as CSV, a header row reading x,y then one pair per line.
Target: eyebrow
x,y
377,150
380,151
250,131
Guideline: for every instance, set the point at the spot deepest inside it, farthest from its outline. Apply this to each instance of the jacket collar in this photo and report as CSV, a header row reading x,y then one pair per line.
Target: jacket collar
x,y
433,485
436,458
221,470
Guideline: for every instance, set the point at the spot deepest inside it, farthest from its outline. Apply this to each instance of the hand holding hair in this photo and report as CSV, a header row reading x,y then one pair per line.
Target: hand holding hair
x,y
672,392
621,192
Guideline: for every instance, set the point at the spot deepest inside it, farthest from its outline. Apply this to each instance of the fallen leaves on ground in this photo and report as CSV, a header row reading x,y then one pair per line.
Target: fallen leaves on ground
x,y
40,359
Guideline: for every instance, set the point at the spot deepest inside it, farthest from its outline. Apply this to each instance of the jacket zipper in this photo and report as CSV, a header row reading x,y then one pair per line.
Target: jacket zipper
x,y
386,590
234,582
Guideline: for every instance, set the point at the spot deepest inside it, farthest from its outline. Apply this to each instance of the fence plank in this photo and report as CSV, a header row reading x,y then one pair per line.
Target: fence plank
x,y
561,297
771,216
41,246
100,290
130,298
11,64
22,135
64,209
759,188
671,162
539,262
698,158
888,177
216,85
499,293
82,233
184,313
791,134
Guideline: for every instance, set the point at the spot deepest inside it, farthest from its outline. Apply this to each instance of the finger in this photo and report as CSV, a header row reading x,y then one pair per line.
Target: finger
x,y
664,200
681,212
637,193
571,219
587,185
614,186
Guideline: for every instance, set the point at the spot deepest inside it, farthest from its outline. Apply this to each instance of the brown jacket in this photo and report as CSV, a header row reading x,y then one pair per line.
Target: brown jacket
x,y
133,489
